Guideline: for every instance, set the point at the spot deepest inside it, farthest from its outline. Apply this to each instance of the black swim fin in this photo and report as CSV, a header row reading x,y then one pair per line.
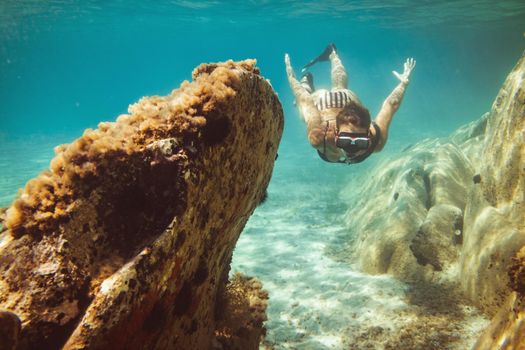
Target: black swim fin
x,y
325,56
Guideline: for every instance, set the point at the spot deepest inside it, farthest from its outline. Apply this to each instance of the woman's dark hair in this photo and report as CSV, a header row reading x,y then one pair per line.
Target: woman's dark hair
x,y
355,114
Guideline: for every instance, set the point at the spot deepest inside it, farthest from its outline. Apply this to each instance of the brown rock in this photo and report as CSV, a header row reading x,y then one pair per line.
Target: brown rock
x,y
126,242
241,312
9,330
2,219
507,329
517,272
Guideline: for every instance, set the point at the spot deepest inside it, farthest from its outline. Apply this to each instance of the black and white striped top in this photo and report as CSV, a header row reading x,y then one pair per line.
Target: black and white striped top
x,y
333,99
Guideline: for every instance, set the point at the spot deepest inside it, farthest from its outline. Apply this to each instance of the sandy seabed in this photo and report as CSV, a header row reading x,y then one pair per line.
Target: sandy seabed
x,y
293,244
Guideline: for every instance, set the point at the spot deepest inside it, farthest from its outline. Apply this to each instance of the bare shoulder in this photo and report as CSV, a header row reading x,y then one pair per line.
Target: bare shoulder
x,y
377,136
373,130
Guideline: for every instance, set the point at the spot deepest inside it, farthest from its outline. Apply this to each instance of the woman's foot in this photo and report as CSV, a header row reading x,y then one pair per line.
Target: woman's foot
x,y
307,82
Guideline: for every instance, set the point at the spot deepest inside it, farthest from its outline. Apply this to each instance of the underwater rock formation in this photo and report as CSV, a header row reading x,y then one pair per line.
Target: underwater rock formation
x,y
495,213
10,326
507,329
126,241
243,310
494,273
407,219
452,210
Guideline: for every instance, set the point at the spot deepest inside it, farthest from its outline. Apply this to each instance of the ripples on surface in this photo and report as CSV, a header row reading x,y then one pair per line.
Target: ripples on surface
x,y
397,13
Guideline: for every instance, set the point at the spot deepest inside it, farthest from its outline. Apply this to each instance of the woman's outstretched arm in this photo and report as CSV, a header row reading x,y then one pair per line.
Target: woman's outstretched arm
x,y
392,102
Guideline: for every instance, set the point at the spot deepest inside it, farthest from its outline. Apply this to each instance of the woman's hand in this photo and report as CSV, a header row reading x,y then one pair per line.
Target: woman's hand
x,y
289,69
409,66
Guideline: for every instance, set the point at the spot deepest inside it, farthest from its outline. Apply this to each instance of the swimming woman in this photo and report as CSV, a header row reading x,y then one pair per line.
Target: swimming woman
x,y
339,126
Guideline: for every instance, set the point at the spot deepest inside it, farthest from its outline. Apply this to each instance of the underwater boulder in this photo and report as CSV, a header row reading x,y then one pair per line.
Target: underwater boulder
x,y
243,311
470,138
126,241
493,262
10,326
507,329
495,211
406,219
452,210
432,243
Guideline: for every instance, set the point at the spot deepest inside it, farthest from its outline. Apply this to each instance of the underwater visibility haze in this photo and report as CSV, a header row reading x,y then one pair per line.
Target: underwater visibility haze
x,y
66,66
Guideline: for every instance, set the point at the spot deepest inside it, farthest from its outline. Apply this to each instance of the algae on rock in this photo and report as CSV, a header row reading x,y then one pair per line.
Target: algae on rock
x,y
126,242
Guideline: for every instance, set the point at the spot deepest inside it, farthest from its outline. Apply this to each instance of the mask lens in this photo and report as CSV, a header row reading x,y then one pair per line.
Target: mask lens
x,y
343,142
352,143
361,143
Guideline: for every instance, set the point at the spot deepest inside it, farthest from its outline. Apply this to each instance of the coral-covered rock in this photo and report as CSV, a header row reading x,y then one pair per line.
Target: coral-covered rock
x,y
495,211
495,271
126,241
507,329
454,209
241,311
407,218
2,218
517,272
10,326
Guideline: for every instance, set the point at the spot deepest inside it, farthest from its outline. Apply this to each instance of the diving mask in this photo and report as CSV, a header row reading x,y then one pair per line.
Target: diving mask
x,y
352,142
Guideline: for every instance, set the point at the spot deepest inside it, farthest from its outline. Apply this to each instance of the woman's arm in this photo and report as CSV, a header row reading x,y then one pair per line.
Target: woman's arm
x,y
309,112
392,102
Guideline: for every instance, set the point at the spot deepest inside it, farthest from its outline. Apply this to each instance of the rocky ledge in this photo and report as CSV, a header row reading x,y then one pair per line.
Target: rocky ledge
x,y
451,212
126,241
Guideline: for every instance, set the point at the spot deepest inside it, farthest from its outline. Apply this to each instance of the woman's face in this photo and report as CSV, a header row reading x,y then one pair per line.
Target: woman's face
x,y
348,127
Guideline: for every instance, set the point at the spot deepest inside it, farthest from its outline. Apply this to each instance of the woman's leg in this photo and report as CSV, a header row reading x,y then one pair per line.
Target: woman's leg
x,y
339,76
302,92
307,82
303,98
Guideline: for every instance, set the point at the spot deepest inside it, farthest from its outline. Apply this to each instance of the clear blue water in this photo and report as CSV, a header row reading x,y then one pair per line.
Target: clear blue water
x,y
67,65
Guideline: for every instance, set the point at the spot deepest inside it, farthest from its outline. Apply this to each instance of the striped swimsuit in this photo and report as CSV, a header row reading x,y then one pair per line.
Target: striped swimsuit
x,y
325,99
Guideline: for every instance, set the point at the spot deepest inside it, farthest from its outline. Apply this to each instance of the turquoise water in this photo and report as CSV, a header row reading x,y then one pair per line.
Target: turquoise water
x,y
67,65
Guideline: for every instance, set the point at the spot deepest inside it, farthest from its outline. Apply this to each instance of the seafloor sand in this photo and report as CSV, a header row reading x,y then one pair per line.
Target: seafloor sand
x,y
290,243
317,302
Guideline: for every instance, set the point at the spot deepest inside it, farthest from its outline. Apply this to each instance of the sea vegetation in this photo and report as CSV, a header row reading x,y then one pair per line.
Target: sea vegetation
x,y
81,166
242,310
